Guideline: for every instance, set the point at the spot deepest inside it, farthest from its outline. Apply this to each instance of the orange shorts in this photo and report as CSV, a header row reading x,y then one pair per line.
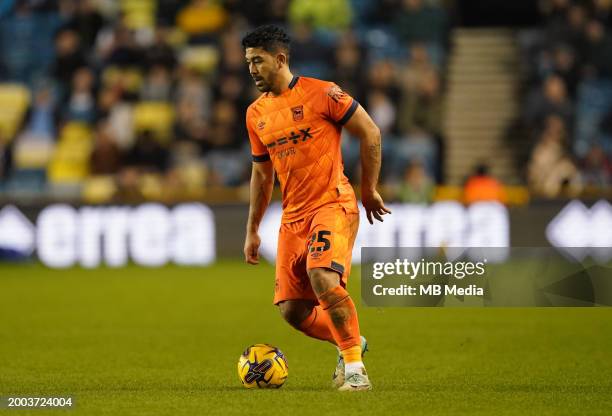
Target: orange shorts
x,y
323,239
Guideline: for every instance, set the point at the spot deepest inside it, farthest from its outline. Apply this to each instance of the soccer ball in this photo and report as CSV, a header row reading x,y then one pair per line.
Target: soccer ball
x,y
262,366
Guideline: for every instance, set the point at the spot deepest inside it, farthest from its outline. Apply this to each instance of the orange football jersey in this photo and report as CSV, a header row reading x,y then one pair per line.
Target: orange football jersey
x,y
299,130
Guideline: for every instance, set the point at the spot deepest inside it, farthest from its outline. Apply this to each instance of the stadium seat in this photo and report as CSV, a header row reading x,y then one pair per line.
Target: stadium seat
x,y
98,189
26,181
70,163
139,14
203,59
128,78
31,153
156,117
14,101
151,186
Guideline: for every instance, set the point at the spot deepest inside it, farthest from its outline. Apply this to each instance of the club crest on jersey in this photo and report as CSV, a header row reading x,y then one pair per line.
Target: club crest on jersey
x,y
261,125
298,113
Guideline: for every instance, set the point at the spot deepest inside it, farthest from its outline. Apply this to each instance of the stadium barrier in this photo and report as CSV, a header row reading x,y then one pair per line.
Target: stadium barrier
x,y
193,234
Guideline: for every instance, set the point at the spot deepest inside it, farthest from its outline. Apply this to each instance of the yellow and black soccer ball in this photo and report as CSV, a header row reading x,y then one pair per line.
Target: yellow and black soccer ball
x,y
262,366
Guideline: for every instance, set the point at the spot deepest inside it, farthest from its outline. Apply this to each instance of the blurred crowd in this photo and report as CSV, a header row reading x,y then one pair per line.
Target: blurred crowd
x,y
130,99
568,102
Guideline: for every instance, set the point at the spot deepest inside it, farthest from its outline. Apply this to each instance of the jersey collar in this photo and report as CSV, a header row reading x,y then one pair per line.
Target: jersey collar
x,y
294,81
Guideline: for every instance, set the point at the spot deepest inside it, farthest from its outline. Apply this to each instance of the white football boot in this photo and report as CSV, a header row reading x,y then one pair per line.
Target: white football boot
x,y
338,377
357,381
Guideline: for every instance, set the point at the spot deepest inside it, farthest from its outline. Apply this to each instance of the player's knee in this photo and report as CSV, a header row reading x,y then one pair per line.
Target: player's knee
x,y
295,312
322,279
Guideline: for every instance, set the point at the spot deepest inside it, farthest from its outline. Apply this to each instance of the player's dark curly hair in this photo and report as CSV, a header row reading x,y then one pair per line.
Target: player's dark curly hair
x,y
270,38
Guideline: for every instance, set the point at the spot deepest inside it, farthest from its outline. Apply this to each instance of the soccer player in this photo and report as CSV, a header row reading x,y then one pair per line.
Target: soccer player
x,y
294,130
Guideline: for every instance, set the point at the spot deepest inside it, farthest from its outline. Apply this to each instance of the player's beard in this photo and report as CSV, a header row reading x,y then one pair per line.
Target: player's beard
x,y
266,85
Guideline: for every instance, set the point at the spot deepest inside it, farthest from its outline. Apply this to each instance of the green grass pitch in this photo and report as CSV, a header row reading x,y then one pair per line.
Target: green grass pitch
x,y
138,341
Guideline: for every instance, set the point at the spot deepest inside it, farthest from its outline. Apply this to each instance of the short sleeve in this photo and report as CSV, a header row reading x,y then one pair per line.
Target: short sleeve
x,y
340,105
258,150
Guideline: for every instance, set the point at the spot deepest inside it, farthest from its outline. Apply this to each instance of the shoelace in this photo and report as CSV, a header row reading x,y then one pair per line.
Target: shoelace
x,y
354,378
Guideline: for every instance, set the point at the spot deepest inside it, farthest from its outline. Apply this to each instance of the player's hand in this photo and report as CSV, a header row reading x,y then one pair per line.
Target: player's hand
x,y
374,206
251,248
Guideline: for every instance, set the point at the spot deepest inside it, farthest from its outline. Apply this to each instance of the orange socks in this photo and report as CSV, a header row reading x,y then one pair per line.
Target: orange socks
x,y
352,354
337,304
317,325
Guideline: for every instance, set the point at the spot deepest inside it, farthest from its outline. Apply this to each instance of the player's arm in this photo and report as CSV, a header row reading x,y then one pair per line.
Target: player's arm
x,y
361,126
262,183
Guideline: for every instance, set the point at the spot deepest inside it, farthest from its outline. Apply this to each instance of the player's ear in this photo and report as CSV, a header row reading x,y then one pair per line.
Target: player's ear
x,y
281,59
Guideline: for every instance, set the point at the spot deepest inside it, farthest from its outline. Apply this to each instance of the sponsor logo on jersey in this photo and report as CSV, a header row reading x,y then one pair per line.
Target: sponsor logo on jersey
x,y
295,138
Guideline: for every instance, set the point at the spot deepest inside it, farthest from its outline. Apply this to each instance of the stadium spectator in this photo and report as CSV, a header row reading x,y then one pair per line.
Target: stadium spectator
x,y
308,54
597,51
565,66
104,69
232,55
550,169
551,99
422,108
556,14
106,156
160,52
119,114
417,146
596,169
194,91
147,154
417,186
574,54
571,32
86,22
157,85
81,103
123,50
419,22
68,59
481,186
348,70
191,128
418,66
382,111
602,11
18,38
5,159
43,115
382,76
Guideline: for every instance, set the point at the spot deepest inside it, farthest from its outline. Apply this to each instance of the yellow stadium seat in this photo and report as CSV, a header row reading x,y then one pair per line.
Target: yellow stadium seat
x,y
151,186
70,163
139,14
203,59
157,117
98,189
14,101
129,78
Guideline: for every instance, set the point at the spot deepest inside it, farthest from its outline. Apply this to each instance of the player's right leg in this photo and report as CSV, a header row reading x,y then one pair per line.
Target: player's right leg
x,y
338,305
333,233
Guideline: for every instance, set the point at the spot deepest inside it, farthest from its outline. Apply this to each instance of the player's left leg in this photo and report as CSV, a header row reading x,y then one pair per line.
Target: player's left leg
x,y
332,235
305,316
337,303
292,291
